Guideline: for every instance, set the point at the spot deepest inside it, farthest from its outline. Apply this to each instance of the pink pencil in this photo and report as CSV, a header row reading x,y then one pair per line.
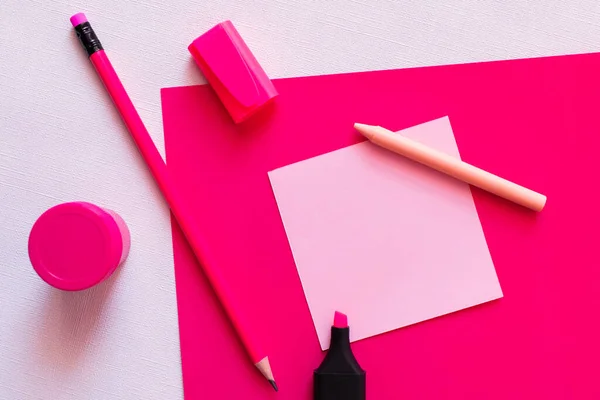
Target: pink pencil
x,y
452,166
176,202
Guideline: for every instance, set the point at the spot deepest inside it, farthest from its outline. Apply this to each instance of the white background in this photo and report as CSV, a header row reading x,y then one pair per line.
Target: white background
x,y
61,140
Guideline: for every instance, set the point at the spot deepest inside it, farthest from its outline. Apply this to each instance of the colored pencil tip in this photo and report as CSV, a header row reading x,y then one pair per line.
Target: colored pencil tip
x,y
272,382
340,320
364,130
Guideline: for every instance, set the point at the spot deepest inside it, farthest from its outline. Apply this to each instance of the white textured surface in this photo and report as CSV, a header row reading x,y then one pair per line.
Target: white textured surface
x,y
61,140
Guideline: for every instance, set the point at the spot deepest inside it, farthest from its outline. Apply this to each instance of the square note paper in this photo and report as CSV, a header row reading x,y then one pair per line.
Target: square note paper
x,y
383,239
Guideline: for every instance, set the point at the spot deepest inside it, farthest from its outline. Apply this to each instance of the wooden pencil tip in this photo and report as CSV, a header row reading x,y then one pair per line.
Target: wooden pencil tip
x,y
265,368
272,382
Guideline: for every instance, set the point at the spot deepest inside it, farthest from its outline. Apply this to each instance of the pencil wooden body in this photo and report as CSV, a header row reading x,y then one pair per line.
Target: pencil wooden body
x,y
453,166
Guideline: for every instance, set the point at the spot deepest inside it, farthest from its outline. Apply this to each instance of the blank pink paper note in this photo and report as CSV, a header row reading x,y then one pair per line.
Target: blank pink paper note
x,y
388,241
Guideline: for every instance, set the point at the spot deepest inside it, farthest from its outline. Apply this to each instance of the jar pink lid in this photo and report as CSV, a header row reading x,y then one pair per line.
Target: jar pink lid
x,y
74,246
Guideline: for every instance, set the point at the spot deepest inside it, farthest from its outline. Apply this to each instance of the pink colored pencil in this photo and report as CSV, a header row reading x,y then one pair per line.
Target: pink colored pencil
x,y
176,202
452,166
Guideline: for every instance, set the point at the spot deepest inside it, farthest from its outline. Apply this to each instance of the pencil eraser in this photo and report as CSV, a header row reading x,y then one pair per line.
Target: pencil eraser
x,y
78,18
232,71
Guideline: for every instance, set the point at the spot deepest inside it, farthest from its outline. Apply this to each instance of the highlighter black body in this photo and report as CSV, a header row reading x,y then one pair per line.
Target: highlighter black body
x,y
340,377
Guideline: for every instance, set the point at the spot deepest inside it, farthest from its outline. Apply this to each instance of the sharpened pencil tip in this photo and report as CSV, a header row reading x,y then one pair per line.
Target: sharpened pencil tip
x,y
272,382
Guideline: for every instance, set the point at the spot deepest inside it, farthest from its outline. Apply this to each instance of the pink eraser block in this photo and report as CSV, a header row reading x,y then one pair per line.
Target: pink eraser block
x,y
232,70
78,18
74,246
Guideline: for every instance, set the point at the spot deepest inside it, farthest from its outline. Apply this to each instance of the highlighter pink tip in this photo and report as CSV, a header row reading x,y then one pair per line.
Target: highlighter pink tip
x,y
78,18
340,320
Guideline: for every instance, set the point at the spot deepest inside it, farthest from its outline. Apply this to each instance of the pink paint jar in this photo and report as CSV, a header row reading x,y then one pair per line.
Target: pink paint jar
x,y
74,246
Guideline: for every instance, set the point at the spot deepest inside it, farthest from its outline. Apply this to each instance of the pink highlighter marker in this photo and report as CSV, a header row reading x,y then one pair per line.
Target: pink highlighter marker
x,y
339,376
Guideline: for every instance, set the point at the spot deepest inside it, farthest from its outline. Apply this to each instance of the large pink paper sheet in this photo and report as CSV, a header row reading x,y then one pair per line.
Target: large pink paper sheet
x,y
532,121
386,240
